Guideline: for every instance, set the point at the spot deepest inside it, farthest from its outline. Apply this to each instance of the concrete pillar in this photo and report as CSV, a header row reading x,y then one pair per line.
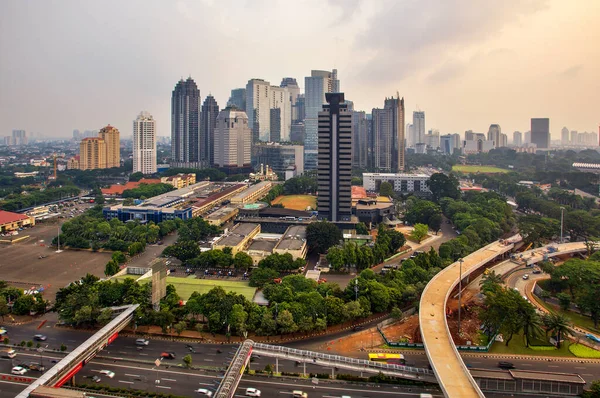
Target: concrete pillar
x,y
276,364
304,363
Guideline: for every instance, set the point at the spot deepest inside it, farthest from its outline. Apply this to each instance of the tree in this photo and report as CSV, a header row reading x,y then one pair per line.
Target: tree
x,y
180,327
183,250
119,257
443,186
490,281
242,261
3,307
419,232
237,319
386,189
558,325
261,276
397,313
530,322
353,310
285,321
112,267
435,222
335,257
187,360
136,176
361,229
321,235
595,389
564,301
105,316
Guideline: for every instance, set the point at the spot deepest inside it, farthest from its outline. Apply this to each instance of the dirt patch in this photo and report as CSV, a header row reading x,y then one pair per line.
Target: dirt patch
x,y
296,202
406,330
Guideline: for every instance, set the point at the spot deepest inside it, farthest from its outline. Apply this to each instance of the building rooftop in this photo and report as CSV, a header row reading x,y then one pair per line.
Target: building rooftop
x,y
216,196
237,234
293,239
368,205
262,245
533,375
391,175
491,374
358,192
252,189
8,217
117,189
220,213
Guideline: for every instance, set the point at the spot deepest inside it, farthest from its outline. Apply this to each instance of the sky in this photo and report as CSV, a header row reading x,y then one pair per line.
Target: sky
x,y
79,64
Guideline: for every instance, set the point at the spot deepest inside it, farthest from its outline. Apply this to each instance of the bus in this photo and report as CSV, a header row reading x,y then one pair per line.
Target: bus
x,y
392,359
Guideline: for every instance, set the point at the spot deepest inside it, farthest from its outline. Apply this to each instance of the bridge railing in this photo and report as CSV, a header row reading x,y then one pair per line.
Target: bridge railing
x,y
234,373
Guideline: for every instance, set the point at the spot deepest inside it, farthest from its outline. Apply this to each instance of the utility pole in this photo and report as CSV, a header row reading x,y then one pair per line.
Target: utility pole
x,y
460,261
356,289
562,217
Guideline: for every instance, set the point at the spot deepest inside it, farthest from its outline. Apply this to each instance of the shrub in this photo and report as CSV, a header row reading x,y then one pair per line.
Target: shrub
x,y
542,347
30,344
581,351
63,347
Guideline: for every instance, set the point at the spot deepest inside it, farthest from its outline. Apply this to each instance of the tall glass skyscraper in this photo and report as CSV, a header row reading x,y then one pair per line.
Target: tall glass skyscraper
x,y
185,124
208,122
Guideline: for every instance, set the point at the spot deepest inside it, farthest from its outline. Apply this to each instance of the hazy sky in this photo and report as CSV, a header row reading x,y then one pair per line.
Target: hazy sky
x,y
81,64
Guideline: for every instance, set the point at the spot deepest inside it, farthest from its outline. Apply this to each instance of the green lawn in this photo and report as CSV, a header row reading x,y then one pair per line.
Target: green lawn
x,y
582,351
477,169
517,346
576,318
186,286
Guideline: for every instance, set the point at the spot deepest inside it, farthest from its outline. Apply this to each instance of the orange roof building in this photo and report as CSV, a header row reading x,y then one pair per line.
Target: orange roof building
x,y
117,190
10,221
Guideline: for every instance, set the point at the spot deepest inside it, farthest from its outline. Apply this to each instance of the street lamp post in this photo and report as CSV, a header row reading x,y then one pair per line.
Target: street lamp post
x,y
562,217
460,261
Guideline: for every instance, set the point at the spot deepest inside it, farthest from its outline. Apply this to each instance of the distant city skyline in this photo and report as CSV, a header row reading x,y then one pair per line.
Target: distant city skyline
x,y
448,49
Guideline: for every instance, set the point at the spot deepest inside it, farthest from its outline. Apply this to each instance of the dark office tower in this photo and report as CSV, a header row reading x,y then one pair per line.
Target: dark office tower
x,y
297,133
185,124
275,120
299,109
238,98
359,140
540,132
208,122
370,142
335,159
388,135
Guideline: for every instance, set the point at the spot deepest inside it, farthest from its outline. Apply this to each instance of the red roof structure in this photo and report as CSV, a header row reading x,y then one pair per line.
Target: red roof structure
x,y
118,189
8,217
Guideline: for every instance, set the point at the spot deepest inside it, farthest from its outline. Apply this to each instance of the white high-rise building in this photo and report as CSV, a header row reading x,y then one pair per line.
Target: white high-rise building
x,y
564,136
280,99
315,86
258,105
517,138
144,144
419,127
233,139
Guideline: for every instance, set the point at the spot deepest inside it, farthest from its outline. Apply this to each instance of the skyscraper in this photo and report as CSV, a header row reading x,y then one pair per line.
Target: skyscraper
x,y
294,91
111,137
527,137
564,136
410,135
432,139
359,139
517,138
144,144
446,144
238,98
335,160
19,137
92,154
494,134
185,124
540,132
315,86
208,122
388,135
233,139
503,141
300,109
258,108
280,127
419,127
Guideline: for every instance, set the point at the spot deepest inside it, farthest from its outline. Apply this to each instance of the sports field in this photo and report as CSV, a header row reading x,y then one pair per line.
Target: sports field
x,y
186,286
296,202
477,169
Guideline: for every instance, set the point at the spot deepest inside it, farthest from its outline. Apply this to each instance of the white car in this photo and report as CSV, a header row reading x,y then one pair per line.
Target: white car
x,y
142,342
204,392
252,392
525,277
107,373
17,370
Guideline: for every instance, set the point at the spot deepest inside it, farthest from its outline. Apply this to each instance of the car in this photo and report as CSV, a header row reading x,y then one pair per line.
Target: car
x,y
525,277
592,337
36,366
537,271
506,365
40,337
18,370
96,379
167,355
299,394
204,391
142,342
252,392
107,373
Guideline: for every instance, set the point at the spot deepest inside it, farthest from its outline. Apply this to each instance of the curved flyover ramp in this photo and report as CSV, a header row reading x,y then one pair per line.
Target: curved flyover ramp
x,y
452,374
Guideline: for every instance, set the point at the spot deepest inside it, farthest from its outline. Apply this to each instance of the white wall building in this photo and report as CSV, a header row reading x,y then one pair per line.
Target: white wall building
x,y
258,105
144,144
402,182
280,99
233,139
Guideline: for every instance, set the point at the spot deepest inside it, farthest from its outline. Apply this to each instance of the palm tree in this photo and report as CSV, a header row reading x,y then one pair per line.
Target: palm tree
x,y
559,325
490,280
531,324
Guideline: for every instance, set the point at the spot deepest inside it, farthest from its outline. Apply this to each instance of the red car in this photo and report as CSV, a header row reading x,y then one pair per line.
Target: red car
x,y
168,355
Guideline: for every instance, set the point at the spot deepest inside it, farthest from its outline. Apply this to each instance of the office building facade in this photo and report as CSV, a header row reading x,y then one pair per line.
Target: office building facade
x,y
19,137
258,109
517,138
540,132
335,160
494,134
388,135
419,127
92,154
359,139
293,89
233,139
208,122
238,98
144,144
185,124
297,133
278,157
564,136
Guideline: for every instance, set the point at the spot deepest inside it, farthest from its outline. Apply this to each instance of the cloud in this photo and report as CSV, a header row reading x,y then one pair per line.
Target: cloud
x,y
448,71
571,71
416,34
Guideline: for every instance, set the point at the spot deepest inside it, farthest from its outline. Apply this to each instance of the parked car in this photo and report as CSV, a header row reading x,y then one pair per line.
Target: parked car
x,y
168,355
18,370
506,365
204,391
142,342
40,337
252,392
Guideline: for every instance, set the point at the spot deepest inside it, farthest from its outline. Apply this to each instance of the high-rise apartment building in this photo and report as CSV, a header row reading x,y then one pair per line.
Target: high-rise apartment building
x,y
573,137
335,160
19,137
503,141
294,91
112,140
419,127
540,132
315,86
92,154
410,135
208,122
432,139
280,101
494,134
258,109
527,137
469,135
564,136
233,139
238,98
185,124
144,144
388,135
359,139
446,144
517,138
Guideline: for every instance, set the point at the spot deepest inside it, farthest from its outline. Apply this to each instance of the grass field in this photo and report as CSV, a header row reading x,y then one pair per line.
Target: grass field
x,y
477,169
296,202
517,346
186,286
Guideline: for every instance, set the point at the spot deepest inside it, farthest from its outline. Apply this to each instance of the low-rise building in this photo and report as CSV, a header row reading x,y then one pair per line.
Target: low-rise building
x,y
117,189
10,221
293,242
201,206
145,213
371,211
252,194
222,215
180,180
402,182
238,238
261,248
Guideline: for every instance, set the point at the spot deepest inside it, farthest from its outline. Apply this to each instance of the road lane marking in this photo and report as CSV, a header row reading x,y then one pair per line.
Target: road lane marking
x,y
553,366
208,360
526,364
127,374
207,384
587,374
144,354
164,378
167,387
297,386
579,367
126,382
